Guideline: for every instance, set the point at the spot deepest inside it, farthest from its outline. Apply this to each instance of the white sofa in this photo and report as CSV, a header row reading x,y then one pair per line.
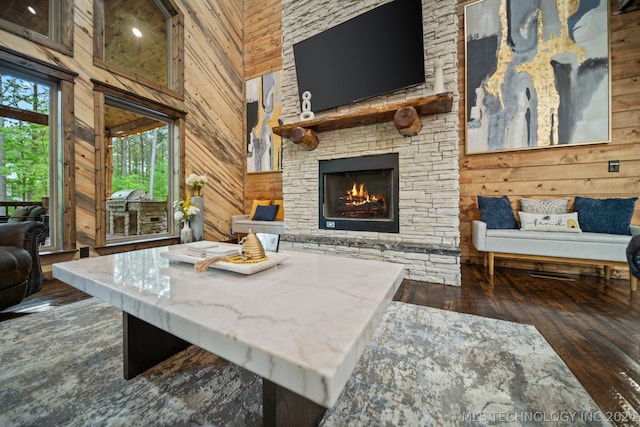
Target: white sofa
x,y
607,250
241,224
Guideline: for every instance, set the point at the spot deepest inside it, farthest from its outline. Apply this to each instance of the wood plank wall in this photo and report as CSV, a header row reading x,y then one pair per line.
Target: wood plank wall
x,y
213,99
561,171
262,55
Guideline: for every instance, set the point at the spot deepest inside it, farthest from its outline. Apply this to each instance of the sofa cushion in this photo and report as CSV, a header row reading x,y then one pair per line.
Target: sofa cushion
x,y
550,222
255,205
265,213
242,224
568,237
35,214
496,212
20,214
544,206
612,216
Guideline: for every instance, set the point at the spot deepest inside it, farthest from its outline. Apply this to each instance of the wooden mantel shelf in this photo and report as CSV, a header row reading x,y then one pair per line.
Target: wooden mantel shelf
x,y
435,104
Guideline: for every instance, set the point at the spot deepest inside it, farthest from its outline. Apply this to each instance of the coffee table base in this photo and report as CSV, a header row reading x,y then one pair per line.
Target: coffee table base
x,y
282,407
146,345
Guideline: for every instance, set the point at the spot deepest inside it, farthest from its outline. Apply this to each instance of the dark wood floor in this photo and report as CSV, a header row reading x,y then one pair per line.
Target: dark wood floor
x,y
593,326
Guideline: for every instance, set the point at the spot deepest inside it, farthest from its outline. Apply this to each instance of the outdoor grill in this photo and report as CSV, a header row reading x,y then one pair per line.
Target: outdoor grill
x,y
148,216
118,200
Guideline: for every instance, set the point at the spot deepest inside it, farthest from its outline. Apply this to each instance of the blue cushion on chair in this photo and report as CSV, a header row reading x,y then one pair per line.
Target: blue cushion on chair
x,y
610,216
496,212
265,213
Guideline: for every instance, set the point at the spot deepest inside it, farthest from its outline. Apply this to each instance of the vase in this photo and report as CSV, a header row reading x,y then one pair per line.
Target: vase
x,y
197,223
196,192
186,235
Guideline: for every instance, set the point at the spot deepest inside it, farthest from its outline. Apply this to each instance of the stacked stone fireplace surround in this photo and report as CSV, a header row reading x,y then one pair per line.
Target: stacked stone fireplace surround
x,y
428,241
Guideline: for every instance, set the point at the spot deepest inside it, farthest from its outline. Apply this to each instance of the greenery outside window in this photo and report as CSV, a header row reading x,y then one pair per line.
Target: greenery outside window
x,y
47,22
141,40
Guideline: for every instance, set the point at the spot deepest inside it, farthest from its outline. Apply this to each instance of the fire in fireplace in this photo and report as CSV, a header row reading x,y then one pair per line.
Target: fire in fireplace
x,y
359,193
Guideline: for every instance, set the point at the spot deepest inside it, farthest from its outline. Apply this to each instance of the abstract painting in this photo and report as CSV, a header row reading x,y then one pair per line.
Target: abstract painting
x,y
537,74
264,109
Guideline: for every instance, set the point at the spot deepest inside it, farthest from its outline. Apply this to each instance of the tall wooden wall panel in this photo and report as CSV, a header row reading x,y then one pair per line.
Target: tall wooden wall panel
x,y
213,99
561,171
262,55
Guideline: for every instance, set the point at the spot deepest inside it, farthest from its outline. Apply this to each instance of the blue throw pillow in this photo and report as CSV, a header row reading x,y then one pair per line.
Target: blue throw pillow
x,y
611,216
497,212
266,213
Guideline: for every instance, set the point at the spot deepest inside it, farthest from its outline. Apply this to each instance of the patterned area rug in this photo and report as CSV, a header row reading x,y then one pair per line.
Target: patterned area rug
x,y
424,367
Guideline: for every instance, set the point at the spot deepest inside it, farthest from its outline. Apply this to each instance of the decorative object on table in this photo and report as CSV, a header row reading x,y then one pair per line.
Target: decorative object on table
x,y
185,211
527,84
306,114
200,249
201,266
264,111
252,250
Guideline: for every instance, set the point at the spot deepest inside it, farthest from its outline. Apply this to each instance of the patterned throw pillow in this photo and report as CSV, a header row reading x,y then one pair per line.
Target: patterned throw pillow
x,y
544,206
550,222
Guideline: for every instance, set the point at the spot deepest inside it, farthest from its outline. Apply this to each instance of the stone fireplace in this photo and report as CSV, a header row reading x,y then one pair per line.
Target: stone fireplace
x,y
426,210
359,193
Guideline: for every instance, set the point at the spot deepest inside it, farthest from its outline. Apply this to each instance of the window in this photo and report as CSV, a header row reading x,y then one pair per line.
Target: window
x,y
48,22
30,182
141,40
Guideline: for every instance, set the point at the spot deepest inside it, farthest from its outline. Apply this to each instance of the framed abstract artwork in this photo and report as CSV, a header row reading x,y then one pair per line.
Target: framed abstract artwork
x,y
264,111
537,74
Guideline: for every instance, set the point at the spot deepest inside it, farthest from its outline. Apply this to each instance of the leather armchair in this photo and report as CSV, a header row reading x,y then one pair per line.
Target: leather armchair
x,y
20,269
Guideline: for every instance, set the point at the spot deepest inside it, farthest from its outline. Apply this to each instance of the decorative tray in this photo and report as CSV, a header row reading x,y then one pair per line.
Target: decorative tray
x,y
273,258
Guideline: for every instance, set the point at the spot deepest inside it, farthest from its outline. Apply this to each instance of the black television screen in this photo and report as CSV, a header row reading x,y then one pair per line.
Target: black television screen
x,y
374,53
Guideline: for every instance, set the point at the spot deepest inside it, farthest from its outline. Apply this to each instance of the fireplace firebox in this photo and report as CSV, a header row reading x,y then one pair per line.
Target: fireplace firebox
x,y
359,193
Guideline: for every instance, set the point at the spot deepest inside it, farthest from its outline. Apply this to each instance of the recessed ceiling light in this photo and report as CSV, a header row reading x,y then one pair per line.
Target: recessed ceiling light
x,y
31,9
136,32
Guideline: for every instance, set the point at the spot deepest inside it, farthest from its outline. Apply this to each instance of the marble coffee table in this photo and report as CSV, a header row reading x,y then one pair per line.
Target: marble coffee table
x,y
301,325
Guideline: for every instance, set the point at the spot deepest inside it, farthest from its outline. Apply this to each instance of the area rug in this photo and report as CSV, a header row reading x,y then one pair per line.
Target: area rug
x,y
423,367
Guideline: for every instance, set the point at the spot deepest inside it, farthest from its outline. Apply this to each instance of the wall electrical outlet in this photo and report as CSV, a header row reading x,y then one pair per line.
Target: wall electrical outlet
x,y
614,165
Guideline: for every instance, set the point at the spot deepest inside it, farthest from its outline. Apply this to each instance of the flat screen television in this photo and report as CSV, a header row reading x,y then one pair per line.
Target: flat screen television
x,y
372,54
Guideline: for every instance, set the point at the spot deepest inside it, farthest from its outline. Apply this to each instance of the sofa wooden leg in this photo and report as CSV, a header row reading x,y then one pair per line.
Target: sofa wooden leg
x,y
634,283
491,259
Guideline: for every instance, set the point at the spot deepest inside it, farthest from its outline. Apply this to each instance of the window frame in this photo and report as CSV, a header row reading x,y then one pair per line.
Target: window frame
x,y
62,168
106,94
64,31
175,43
